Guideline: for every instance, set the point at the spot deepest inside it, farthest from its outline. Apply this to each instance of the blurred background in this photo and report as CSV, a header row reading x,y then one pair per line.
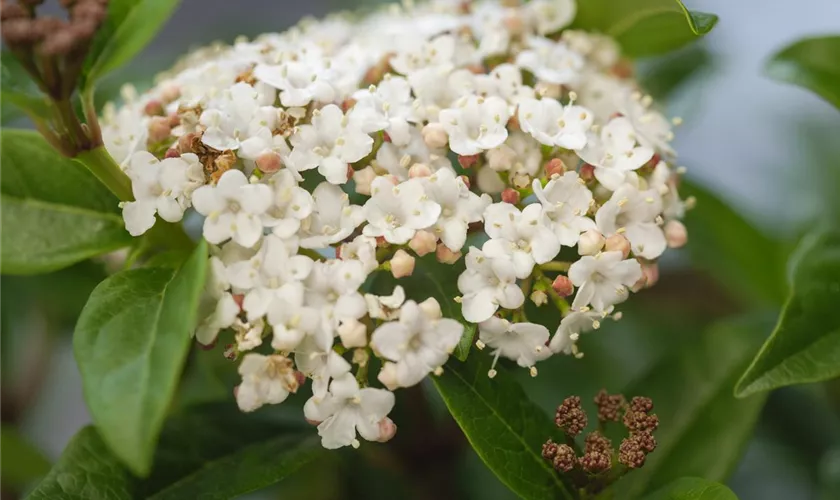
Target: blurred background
x,y
768,150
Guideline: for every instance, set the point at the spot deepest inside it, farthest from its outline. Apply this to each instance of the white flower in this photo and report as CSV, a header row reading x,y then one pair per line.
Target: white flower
x,y
665,182
438,53
459,207
552,124
397,160
273,278
521,342
248,335
265,380
615,153
633,213
487,284
388,107
333,218
565,201
223,313
603,280
160,187
576,322
504,81
291,204
333,287
437,89
476,124
124,131
238,116
330,143
347,410
524,236
551,16
299,82
551,62
418,343
263,141
363,249
397,212
318,361
518,155
233,209
653,129
385,307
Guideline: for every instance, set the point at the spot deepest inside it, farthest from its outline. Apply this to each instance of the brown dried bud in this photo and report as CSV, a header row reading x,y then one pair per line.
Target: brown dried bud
x,y
153,108
609,406
60,42
222,164
595,462
563,286
630,454
645,440
570,416
20,31
510,195
641,404
636,421
595,441
564,458
549,450
12,11
89,11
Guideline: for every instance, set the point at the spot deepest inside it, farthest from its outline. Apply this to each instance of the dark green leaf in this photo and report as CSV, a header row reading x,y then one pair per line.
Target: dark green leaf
x,y
693,488
130,25
18,89
249,469
22,461
504,427
86,470
644,27
663,76
131,343
805,346
702,426
54,213
811,63
731,249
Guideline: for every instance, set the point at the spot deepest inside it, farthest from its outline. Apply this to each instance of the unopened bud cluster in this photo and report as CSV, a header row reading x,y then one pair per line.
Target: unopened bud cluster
x,y
599,464
484,136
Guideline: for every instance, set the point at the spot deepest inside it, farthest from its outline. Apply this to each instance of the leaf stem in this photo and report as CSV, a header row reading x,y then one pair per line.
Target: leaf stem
x,y
100,163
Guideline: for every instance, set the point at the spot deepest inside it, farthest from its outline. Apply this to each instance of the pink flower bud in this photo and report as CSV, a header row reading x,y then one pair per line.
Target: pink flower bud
x,y
435,136
554,167
353,333
300,378
445,255
159,129
511,196
363,179
350,171
387,430
563,286
468,161
388,376
650,270
172,153
419,170
269,162
587,172
239,299
153,108
402,264
675,234
423,242
618,243
591,242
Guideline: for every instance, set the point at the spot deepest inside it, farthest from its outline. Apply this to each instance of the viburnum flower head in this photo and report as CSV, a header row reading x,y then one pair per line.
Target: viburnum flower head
x,y
565,201
615,153
233,209
552,124
521,342
476,124
633,213
487,284
523,236
396,212
603,280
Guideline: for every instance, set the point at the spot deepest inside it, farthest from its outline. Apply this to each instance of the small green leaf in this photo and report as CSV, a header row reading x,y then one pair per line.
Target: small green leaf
x,y
805,346
22,461
742,258
18,89
54,213
644,27
504,427
131,343
130,25
251,468
86,470
703,428
811,63
693,488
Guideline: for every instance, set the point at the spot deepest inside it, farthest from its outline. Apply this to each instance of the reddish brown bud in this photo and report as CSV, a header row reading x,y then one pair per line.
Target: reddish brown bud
x,y
12,11
609,406
59,42
637,421
386,137
549,450
300,378
554,167
570,416
641,404
563,286
587,172
565,459
172,153
239,299
153,108
595,441
630,454
595,462
468,161
159,129
510,195
269,162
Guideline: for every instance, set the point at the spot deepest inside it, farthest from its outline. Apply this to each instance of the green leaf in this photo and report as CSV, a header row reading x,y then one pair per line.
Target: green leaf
x,y
805,345
744,260
693,488
54,213
86,470
504,427
18,89
130,25
251,468
131,343
22,461
703,428
811,63
663,76
644,27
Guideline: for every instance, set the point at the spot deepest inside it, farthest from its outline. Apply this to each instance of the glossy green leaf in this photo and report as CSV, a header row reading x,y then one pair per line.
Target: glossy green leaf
x,y
18,89
811,63
54,213
743,259
644,27
703,428
663,76
131,343
805,346
22,461
86,470
693,488
130,25
503,426
251,468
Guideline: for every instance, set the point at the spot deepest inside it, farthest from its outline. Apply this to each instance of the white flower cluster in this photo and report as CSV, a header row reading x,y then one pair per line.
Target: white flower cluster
x,y
485,136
